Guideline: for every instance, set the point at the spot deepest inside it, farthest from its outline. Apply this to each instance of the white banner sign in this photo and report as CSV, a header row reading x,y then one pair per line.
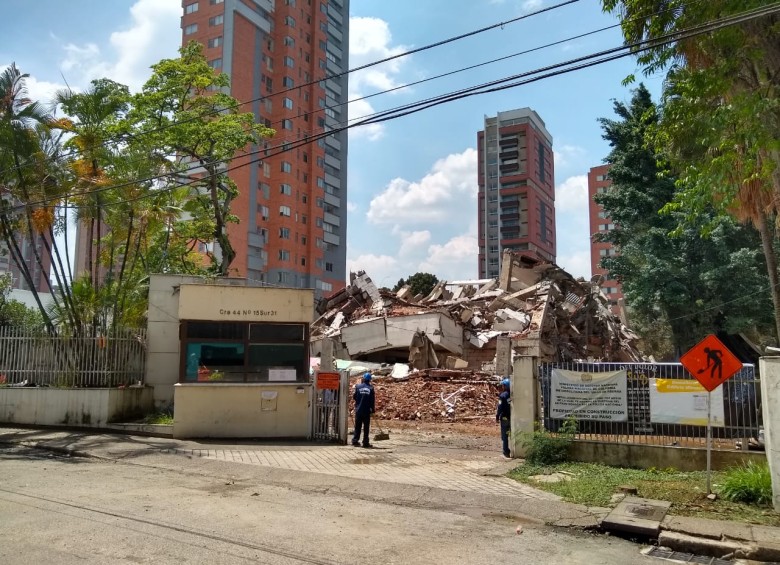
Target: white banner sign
x,y
684,401
589,396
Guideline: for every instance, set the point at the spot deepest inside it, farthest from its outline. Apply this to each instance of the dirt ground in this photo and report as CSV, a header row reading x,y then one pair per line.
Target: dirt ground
x,y
482,434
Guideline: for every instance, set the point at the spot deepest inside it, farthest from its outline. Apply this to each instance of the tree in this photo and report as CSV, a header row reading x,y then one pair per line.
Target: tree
x,y
184,113
420,283
693,283
719,128
13,313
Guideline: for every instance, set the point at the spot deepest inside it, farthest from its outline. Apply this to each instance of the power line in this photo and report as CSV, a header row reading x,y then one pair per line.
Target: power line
x,y
122,138
493,86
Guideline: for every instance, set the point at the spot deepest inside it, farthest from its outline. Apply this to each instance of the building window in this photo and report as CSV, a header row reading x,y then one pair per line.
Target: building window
x,y
243,351
284,255
541,162
215,63
284,211
213,2
287,124
289,62
215,41
191,8
290,21
324,286
289,2
602,214
601,190
286,167
288,82
601,178
289,41
329,267
264,212
287,103
284,233
320,182
216,20
286,189
283,277
190,29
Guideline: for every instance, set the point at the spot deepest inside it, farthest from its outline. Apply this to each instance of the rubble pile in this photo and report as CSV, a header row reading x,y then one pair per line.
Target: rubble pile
x,y
545,311
462,397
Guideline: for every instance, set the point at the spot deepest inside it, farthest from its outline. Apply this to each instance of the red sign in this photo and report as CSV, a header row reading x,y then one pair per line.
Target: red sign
x,y
710,362
328,381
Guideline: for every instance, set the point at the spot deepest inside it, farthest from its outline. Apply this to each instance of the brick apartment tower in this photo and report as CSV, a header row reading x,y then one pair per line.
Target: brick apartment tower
x,y
291,206
516,189
39,272
598,182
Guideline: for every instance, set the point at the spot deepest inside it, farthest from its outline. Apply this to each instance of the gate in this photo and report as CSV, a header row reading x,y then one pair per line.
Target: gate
x,y
739,396
329,421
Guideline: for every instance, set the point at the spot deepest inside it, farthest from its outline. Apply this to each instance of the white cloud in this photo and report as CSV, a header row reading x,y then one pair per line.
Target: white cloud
x,y
577,261
148,39
572,194
445,195
454,260
568,155
414,243
531,5
352,207
370,40
383,269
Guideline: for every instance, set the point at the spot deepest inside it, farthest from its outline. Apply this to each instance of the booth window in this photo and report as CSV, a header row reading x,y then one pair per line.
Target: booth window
x,y
244,352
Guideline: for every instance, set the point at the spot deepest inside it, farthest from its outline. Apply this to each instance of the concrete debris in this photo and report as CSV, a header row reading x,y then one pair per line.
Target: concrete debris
x,y
541,308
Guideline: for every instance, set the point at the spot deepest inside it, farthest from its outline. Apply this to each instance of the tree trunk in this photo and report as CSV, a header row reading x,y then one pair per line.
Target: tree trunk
x,y
767,245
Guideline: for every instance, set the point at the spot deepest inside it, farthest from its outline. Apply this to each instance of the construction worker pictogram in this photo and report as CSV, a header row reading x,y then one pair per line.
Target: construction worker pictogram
x,y
710,362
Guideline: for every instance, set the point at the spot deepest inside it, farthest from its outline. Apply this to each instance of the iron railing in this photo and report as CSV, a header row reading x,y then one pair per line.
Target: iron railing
x,y
36,359
741,408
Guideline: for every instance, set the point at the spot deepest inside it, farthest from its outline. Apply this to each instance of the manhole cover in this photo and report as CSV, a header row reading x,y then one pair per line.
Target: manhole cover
x,y
680,557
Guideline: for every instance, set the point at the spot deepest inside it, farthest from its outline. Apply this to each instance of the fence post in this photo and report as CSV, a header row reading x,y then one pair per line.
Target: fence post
x,y
523,393
769,369
326,355
503,356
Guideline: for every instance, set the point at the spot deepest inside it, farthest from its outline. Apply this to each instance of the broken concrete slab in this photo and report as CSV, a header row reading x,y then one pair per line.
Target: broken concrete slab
x,y
703,546
636,515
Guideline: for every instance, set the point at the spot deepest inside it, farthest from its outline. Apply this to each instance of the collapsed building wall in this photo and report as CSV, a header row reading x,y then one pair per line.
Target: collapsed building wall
x,y
543,310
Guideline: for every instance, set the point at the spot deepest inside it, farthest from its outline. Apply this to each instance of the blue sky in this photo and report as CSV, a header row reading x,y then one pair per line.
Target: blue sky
x,y
412,181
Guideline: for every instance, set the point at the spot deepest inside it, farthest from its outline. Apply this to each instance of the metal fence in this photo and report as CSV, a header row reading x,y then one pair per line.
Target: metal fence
x,y
36,359
741,408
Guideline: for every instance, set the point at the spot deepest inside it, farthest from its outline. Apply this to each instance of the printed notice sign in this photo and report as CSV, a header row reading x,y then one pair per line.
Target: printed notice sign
x,y
589,396
684,401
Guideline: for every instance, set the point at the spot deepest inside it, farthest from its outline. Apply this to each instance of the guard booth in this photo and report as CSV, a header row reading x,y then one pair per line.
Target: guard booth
x,y
331,394
232,359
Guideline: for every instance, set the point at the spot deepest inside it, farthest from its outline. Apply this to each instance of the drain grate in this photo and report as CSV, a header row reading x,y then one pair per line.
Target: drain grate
x,y
680,557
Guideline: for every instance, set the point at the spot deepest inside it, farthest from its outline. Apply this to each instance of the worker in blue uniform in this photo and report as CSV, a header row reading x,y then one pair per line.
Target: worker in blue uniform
x,y
503,416
364,407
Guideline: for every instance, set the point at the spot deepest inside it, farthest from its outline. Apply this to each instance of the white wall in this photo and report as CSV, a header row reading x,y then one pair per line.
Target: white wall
x,y
769,369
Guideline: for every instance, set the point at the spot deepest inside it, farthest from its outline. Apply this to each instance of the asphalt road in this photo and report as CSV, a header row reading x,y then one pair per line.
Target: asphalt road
x,y
168,509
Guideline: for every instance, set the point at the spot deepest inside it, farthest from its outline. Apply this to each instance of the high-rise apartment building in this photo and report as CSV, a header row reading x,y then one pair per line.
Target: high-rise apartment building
x,y
292,211
598,182
516,189
39,270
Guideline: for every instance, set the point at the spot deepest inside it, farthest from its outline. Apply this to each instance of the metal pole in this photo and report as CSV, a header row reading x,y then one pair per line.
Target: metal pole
x,y
709,443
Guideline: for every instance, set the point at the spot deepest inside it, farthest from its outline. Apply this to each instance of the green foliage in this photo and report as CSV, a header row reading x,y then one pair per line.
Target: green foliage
x,y
719,129
13,313
545,448
164,418
683,287
750,483
420,283
184,111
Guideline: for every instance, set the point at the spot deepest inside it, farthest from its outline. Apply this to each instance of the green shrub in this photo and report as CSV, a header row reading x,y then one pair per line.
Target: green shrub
x,y
749,483
545,448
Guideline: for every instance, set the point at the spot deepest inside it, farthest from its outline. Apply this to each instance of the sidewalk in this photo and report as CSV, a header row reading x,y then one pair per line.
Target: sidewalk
x,y
410,474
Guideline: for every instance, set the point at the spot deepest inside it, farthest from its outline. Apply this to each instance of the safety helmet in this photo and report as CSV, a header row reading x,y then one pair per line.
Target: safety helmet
x,y
367,377
505,382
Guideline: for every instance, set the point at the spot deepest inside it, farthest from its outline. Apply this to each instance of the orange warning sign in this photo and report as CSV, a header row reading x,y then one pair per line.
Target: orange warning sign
x,y
710,362
328,381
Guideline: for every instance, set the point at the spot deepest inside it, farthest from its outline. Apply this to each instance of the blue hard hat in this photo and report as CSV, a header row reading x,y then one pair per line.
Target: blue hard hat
x,y
367,377
505,382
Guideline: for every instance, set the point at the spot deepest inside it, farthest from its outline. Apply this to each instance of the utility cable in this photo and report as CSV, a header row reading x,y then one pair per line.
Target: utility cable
x,y
555,70
238,104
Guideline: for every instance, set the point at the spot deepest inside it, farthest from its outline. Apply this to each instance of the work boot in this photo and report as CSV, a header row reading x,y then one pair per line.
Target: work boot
x,y
367,446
